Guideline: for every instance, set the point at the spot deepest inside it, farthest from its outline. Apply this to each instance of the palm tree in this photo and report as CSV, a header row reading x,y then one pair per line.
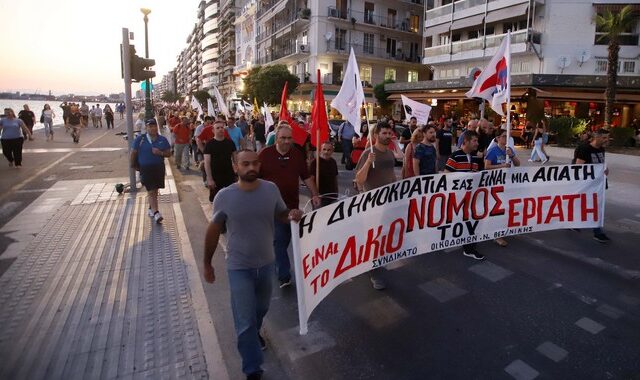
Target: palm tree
x,y
612,25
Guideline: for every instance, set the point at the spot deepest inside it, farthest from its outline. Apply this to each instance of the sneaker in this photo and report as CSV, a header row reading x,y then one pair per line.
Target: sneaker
x,y
474,255
150,213
501,242
254,376
530,160
545,161
377,283
157,217
10,164
263,343
285,283
601,238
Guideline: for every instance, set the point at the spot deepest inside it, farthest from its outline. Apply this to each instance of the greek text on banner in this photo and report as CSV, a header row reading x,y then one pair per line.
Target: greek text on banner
x,y
429,213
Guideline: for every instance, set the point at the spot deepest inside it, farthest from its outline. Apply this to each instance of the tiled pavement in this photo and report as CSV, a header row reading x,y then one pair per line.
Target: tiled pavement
x,y
97,290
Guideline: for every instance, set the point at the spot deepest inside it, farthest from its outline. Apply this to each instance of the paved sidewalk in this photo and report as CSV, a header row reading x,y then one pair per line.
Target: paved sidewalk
x,y
99,291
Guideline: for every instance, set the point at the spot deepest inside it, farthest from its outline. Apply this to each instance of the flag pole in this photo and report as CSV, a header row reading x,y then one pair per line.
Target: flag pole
x,y
318,157
366,115
507,158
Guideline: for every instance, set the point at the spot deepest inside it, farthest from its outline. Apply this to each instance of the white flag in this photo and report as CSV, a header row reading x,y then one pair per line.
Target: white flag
x,y
210,110
268,119
416,109
195,105
351,95
248,107
221,104
494,82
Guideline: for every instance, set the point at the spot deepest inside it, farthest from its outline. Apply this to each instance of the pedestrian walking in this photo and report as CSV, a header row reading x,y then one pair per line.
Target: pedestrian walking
x,y
147,156
370,176
465,160
84,112
47,120
327,176
593,152
182,133
13,131
496,158
98,116
217,161
108,116
346,131
444,138
92,115
75,123
248,209
285,166
409,150
234,132
259,131
425,156
28,118
65,115
537,154
360,143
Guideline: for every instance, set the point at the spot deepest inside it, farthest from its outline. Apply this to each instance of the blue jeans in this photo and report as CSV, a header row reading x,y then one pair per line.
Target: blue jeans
x,y
347,148
250,297
281,242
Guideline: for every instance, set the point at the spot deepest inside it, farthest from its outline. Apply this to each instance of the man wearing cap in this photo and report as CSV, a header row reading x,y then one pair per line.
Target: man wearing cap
x,y
147,156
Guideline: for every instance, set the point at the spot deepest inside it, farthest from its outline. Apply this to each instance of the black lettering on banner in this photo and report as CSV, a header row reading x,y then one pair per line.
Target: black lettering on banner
x,y
337,214
355,204
415,188
539,176
303,223
404,188
589,172
382,196
393,192
369,197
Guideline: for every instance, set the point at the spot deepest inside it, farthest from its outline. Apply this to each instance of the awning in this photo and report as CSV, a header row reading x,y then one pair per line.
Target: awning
x,y
507,13
438,29
586,96
459,94
467,22
601,8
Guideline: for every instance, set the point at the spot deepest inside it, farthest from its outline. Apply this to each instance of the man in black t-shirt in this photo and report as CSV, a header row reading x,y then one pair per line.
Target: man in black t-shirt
x,y
259,133
593,153
328,176
217,161
444,137
28,117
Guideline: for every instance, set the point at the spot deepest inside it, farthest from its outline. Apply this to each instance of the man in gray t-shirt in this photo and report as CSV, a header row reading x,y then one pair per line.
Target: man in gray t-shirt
x,y
369,177
248,209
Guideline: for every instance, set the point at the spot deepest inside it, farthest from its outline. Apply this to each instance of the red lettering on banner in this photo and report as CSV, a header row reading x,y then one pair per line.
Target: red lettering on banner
x,y
373,243
415,215
571,200
349,253
589,210
555,210
454,207
432,209
389,247
318,257
560,209
474,204
497,207
513,213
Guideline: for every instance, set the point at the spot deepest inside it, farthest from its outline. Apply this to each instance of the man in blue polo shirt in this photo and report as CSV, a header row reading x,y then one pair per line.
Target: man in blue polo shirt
x,y
147,155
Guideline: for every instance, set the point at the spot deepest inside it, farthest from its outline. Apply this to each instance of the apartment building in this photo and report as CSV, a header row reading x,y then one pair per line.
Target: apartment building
x,y
308,35
245,31
189,67
209,45
227,49
558,55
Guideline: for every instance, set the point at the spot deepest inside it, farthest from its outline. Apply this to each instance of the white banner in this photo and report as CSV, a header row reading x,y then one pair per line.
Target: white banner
x,y
430,213
416,109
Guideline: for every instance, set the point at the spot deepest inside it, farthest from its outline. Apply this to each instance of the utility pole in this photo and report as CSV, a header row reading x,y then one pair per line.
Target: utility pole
x,y
148,110
126,68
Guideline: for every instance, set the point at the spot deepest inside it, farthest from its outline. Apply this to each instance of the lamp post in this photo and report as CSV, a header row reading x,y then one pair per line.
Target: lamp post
x,y
148,110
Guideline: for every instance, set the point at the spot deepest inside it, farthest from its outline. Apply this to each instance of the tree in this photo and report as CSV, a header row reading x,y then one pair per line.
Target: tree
x,y
170,97
266,83
382,96
201,96
612,25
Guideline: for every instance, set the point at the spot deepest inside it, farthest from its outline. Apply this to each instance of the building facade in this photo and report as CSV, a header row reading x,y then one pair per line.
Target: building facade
x,y
556,52
209,45
227,50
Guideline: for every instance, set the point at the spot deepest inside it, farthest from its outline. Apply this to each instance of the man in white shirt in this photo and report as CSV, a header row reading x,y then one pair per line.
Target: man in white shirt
x,y
98,113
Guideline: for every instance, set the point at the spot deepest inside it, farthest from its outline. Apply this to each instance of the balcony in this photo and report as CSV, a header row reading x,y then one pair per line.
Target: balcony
x,y
210,25
370,18
477,47
368,51
278,27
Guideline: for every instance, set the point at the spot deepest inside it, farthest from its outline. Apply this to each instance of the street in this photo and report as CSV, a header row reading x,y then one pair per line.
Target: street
x,y
552,305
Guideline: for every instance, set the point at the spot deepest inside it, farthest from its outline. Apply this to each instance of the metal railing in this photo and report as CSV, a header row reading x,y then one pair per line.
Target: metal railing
x,y
371,52
370,18
518,36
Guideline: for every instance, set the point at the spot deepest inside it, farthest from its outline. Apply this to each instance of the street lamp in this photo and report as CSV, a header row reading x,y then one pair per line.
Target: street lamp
x,y
148,111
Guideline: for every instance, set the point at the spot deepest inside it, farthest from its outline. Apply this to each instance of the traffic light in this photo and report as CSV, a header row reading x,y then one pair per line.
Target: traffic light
x,y
139,66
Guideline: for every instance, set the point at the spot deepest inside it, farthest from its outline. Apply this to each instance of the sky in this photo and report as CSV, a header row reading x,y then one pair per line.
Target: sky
x,y
73,46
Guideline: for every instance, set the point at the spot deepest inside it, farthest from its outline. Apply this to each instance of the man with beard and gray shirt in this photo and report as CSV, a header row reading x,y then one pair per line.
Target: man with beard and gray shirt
x,y
376,169
249,209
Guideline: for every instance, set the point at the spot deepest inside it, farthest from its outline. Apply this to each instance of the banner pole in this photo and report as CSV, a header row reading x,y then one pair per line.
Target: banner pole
x,y
370,133
318,158
507,158
297,266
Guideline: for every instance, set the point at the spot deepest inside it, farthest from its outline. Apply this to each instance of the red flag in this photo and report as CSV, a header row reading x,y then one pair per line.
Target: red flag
x,y
319,121
297,132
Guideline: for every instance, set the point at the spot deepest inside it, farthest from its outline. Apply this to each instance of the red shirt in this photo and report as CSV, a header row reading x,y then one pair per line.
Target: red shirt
x,y
183,134
285,171
173,121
